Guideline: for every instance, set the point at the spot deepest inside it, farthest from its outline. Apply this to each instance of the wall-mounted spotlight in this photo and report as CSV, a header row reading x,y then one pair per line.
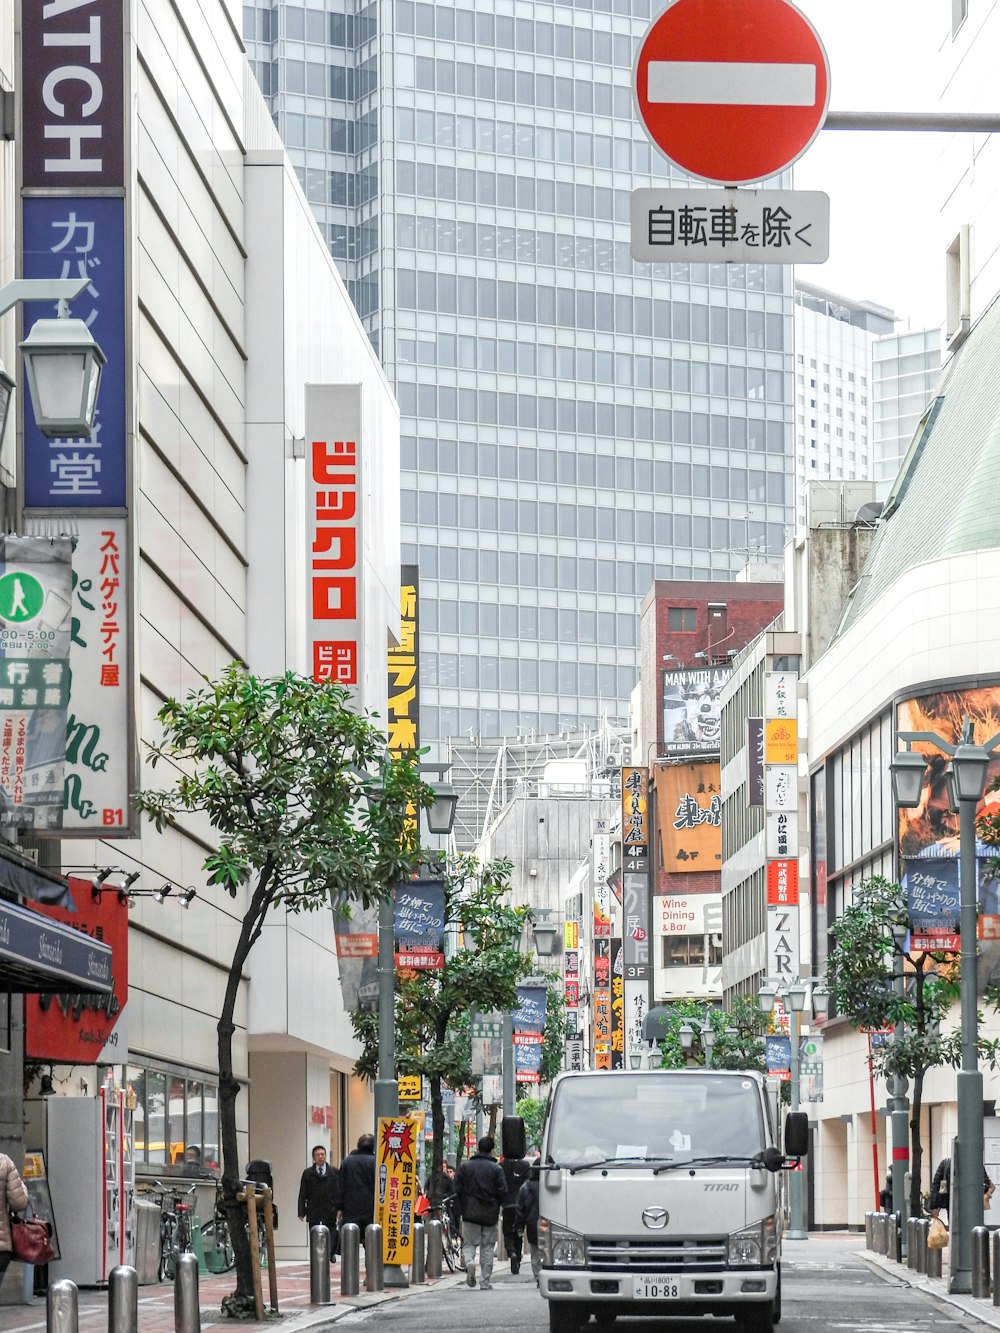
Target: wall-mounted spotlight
x,y
97,882
163,892
186,896
131,879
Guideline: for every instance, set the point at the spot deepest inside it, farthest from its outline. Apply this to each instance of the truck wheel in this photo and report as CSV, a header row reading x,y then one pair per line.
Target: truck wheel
x,y
757,1318
564,1317
605,1318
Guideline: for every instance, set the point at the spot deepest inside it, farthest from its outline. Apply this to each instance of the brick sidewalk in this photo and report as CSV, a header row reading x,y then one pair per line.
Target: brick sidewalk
x,y
156,1303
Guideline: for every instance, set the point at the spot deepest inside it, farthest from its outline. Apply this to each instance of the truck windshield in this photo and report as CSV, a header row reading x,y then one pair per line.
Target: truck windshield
x,y
660,1117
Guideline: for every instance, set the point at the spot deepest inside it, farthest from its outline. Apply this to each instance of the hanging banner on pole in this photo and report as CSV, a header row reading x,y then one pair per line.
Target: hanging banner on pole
x,y
396,1185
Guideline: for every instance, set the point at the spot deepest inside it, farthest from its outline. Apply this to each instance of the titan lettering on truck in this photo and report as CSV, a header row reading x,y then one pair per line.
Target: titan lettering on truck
x,y
660,1194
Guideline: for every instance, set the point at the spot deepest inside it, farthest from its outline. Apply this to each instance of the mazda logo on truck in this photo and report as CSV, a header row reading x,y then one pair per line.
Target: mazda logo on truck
x,y
655,1218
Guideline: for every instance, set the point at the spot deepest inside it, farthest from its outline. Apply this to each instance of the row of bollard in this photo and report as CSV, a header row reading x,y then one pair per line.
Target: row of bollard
x,y
62,1305
427,1259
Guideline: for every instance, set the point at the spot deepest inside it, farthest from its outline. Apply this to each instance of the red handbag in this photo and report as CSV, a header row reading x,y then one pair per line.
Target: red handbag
x,y
30,1240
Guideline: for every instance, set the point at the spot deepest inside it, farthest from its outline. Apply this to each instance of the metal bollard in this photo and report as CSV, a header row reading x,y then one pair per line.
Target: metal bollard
x,y
350,1259
980,1263
880,1233
892,1247
934,1258
995,1267
869,1231
187,1313
435,1248
911,1242
418,1265
62,1311
374,1268
123,1299
319,1265
923,1227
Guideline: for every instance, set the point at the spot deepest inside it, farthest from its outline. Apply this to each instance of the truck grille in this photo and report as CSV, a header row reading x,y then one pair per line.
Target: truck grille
x,y
665,1256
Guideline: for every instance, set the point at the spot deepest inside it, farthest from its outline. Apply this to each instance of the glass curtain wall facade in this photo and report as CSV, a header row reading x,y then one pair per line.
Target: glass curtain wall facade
x,y
574,425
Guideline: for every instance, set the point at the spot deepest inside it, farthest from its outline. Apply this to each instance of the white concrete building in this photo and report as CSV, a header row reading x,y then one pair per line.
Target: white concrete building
x,y
834,337
233,304
906,368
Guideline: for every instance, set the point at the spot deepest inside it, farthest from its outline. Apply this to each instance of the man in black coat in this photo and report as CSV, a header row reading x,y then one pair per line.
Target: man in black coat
x,y
357,1184
515,1172
481,1188
526,1217
319,1195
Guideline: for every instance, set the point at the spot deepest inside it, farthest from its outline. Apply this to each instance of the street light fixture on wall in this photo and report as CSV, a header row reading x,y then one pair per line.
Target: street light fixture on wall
x,y
62,361
797,992
968,769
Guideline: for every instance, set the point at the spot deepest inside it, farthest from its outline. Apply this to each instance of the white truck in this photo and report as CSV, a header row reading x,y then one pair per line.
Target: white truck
x,y
659,1194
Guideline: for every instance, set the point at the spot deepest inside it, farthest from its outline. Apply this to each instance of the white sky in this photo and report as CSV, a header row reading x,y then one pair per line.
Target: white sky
x,y
884,199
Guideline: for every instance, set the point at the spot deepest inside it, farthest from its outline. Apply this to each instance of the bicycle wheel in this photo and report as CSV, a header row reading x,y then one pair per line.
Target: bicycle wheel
x,y
220,1255
168,1228
451,1247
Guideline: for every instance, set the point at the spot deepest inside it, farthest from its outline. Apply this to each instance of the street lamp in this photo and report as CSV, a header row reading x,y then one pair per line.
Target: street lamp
x,y
797,991
648,1055
968,768
62,361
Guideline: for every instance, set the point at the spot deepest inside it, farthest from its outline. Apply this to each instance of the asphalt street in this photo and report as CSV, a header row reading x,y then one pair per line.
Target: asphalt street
x,y
826,1286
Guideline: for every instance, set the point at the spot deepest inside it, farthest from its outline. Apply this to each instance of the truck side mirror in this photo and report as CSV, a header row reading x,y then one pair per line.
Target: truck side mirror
x,y
772,1159
796,1134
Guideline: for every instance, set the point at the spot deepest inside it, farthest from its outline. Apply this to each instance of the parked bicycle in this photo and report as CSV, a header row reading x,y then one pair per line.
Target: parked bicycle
x,y
217,1240
451,1238
176,1229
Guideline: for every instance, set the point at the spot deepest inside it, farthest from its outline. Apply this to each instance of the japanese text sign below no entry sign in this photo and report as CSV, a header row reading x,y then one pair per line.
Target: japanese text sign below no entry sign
x,y
732,91
730,226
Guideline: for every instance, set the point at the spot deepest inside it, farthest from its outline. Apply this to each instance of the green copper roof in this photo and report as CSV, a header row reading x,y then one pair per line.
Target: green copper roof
x,y
946,499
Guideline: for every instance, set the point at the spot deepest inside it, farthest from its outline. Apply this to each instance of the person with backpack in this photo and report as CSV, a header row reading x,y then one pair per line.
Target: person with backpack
x,y
526,1217
515,1171
940,1195
481,1187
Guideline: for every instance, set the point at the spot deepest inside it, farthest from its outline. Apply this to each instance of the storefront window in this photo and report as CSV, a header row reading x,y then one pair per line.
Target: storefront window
x,y
176,1123
156,1098
176,1135
136,1080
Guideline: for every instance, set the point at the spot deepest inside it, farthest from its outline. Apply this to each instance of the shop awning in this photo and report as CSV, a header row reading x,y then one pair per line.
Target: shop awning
x,y
39,954
32,882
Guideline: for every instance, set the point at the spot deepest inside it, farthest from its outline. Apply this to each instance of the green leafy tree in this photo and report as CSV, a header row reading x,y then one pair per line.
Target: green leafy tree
x,y
278,767
869,952
433,1005
554,1040
738,1035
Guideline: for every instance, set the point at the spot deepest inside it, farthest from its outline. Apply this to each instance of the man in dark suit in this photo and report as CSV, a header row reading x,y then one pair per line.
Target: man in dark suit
x,y
357,1184
319,1195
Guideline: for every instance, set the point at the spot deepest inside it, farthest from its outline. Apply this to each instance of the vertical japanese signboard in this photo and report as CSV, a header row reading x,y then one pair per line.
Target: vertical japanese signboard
x,y
404,667
781,823
74,178
602,947
636,891
334,536
35,577
396,1185
419,913
691,823
755,761
98,750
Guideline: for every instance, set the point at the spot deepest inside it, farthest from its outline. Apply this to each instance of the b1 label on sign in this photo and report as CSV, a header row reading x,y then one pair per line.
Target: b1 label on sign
x,y
730,226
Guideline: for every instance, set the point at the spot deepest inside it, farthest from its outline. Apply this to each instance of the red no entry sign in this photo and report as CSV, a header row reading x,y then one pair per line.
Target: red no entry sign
x,y
732,90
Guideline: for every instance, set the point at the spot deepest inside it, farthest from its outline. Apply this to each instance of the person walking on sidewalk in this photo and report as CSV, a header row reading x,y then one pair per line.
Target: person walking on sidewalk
x,y
357,1185
515,1172
940,1195
526,1217
319,1196
481,1188
13,1198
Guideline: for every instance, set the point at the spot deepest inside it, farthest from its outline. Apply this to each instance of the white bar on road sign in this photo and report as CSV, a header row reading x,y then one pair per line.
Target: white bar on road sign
x,y
730,83
730,226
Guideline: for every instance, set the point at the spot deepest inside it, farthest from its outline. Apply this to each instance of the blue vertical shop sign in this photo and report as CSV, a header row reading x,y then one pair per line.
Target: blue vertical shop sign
x,y
67,237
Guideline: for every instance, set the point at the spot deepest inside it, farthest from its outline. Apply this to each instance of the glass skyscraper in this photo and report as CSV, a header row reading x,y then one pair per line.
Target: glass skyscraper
x,y
574,424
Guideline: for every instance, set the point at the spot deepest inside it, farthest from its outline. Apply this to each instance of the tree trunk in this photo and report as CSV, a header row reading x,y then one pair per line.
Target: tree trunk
x,y
239,1304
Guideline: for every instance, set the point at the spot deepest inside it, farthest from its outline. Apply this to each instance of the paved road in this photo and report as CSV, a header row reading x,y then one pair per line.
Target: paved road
x,y
825,1287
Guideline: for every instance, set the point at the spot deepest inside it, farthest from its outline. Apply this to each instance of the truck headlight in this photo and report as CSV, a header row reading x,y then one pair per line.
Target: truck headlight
x,y
754,1246
561,1248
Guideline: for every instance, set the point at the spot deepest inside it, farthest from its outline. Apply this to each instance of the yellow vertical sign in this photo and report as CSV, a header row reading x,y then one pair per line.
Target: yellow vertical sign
x,y
396,1187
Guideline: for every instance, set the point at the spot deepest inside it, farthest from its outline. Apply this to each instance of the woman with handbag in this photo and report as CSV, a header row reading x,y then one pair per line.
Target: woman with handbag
x,y
13,1198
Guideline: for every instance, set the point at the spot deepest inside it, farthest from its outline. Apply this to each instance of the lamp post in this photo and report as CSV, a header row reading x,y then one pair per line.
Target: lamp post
x,y
648,1056
966,782
62,361
796,990
544,937
440,819
692,1027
